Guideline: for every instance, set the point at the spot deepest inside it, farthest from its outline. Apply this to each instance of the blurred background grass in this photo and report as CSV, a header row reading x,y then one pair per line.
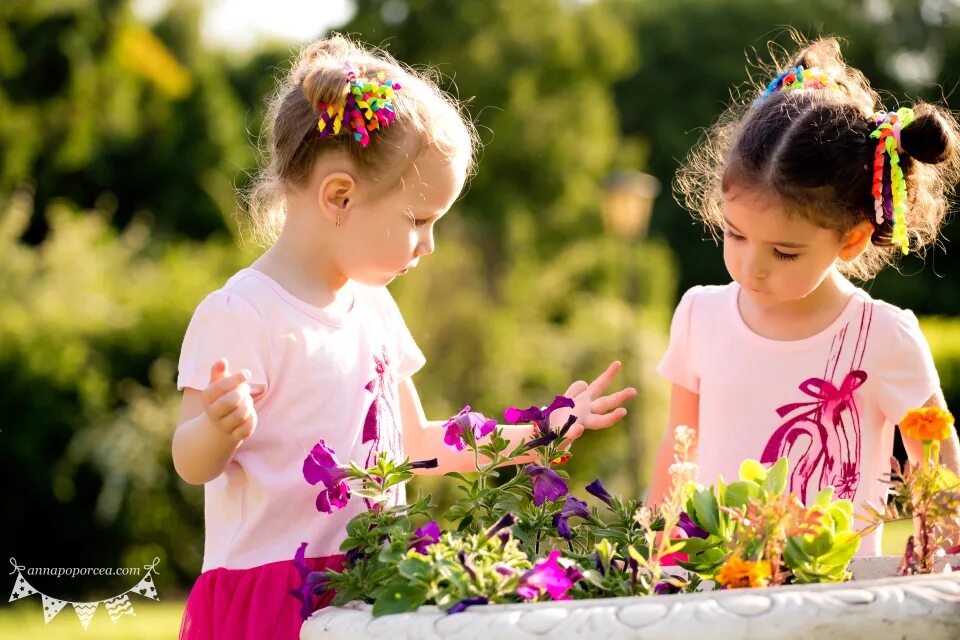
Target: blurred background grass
x,y
125,135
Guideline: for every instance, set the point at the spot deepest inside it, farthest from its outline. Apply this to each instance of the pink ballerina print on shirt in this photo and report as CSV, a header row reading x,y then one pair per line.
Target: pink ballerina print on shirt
x,y
821,438
381,426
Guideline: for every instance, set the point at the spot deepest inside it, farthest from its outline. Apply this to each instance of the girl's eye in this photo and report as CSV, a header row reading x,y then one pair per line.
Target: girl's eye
x,y
785,256
733,236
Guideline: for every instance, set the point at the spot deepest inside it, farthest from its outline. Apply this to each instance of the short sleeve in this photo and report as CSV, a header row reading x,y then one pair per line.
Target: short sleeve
x,y
411,359
677,363
225,325
907,376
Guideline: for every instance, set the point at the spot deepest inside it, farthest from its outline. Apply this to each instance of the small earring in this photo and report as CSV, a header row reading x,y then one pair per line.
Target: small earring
x,y
338,221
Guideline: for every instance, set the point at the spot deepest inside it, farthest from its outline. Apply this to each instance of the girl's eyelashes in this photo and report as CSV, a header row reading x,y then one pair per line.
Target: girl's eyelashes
x,y
785,256
780,255
417,222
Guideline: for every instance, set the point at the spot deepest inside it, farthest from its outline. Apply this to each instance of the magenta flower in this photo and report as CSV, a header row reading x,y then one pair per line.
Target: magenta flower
x,y
312,583
477,424
321,466
596,489
539,417
571,507
547,485
426,535
547,576
336,497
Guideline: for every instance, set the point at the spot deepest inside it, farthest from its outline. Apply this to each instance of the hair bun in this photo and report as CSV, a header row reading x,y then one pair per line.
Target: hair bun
x,y
928,138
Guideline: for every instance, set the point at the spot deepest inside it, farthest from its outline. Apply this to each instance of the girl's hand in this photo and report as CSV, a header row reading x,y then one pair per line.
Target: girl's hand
x,y
593,410
228,403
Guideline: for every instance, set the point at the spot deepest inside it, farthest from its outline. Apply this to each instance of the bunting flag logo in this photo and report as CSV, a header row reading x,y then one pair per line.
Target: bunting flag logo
x,y
117,606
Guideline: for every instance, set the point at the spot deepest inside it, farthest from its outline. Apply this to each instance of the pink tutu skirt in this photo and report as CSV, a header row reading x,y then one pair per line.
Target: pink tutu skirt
x,y
250,604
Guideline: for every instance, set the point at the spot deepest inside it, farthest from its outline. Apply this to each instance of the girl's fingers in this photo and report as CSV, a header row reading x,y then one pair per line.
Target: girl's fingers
x,y
218,370
576,389
603,421
612,401
603,380
238,415
246,428
229,401
222,387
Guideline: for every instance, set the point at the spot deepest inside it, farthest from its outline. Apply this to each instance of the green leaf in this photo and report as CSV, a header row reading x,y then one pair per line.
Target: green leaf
x,y
845,546
740,493
824,497
752,471
776,480
707,511
415,568
397,597
593,577
390,556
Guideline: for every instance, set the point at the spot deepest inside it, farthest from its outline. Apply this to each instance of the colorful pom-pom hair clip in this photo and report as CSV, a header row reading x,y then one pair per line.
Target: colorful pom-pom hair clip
x,y
797,78
368,107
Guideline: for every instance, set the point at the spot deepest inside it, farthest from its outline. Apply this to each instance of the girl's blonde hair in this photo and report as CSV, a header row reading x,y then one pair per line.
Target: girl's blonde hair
x,y
812,149
425,115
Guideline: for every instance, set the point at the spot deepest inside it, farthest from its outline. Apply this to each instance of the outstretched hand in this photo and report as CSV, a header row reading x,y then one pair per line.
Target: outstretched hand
x,y
593,409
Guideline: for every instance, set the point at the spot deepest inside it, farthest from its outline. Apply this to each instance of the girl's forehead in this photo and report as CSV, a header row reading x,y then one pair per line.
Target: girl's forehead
x,y
766,216
433,180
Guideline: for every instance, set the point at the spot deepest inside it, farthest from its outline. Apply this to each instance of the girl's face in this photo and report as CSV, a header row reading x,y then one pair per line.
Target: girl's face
x,y
775,258
390,232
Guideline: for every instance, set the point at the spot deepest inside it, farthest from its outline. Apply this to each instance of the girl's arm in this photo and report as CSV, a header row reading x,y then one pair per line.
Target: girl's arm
x,y
684,409
213,423
423,438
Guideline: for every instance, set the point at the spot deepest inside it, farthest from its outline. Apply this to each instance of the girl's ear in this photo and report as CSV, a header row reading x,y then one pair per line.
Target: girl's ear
x,y
856,240
336,195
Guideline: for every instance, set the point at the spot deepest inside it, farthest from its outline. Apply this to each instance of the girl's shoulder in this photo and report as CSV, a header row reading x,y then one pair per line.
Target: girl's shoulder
x,y
710,300
886,317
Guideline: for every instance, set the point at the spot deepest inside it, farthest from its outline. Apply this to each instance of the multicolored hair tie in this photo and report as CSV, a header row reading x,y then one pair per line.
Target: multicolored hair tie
x,y
798,78
368,106
890,198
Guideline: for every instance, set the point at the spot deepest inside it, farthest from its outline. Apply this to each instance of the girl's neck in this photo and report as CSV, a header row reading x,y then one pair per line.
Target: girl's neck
x,y
300,269
802,318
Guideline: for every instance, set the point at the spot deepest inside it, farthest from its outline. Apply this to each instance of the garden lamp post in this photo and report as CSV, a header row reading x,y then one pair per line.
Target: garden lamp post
x,y
626,208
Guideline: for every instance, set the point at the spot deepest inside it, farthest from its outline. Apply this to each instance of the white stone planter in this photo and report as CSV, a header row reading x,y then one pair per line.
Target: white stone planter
x,y
872,607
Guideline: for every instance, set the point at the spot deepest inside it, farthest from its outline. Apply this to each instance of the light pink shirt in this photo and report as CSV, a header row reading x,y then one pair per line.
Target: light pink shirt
x,y
828,402
315,375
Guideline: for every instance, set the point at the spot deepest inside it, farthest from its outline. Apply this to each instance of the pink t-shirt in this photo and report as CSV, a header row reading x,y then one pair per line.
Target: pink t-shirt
x,y
828,402
315,375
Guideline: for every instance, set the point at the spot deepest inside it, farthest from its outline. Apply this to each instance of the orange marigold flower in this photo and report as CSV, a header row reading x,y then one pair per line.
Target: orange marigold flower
x,y
737,574
928,423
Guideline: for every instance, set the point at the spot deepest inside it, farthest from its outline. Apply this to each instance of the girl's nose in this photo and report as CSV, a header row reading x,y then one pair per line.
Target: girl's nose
x,y
425,245
755,267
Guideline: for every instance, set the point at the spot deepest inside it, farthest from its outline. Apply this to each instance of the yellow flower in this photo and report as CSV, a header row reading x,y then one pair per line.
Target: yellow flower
x,y
736,573
928,423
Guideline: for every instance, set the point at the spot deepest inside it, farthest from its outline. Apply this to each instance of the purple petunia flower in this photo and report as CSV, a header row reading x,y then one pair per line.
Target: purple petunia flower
x,y
321,466
596,489
455,428
467,602
541,441
539,417
547,576
571,507
689,527
547,485
336,496
665,588
426,535
312,583
506,520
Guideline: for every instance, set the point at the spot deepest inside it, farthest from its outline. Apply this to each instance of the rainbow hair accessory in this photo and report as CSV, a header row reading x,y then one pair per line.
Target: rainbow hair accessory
x,y
890,199
368,106
798,78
